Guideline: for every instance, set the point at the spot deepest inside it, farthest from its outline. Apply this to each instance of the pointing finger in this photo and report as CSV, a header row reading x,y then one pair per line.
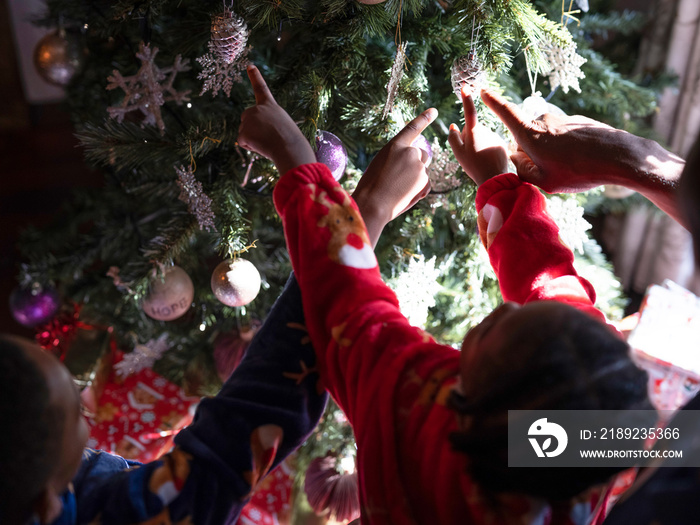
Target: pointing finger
x,y
455,137
469,109
414,128
508,112
260,89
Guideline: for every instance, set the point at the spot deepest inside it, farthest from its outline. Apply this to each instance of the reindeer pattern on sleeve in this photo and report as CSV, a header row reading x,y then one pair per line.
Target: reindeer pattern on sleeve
x,y
349,244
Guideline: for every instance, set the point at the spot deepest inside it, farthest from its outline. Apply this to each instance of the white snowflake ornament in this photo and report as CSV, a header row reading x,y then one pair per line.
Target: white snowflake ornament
x,y
569,217
563,66
149,88
416,288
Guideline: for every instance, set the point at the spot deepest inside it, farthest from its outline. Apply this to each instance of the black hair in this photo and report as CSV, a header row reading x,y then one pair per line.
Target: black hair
x,y
581,366
31,435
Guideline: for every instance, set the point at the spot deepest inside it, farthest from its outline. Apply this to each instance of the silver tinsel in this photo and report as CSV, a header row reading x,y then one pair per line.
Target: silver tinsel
x,y
396,73
563,66
229,36
192,194
142,356
467,70
144,91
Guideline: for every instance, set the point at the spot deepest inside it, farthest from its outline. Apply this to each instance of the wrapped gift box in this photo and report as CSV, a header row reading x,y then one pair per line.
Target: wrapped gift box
x,y
666,343
136,416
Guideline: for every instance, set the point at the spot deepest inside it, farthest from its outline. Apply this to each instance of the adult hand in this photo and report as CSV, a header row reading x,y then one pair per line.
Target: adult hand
x,y
396,178
479,150
268,129
569,154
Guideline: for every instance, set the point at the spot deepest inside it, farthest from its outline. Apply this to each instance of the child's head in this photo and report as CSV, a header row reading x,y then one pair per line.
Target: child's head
x,y
43,433
544,355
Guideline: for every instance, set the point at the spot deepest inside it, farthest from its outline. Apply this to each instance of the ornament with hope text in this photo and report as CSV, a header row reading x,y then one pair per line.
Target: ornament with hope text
x,y
331,152
34,305
170,297
235,282
58,56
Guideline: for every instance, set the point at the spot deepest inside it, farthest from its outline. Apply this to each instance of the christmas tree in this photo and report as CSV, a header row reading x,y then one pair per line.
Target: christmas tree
x,y
156,102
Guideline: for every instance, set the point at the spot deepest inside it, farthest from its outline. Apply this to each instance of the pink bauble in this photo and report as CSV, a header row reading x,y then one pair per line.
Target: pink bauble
x,y
327,489
331,152
34,306
230,347
235,282
169,297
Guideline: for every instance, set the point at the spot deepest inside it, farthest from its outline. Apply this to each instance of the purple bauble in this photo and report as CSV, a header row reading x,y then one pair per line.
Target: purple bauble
x,y
422,143
34,306
331,152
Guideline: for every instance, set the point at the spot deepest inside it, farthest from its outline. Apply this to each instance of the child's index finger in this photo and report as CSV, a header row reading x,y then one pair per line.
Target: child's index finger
x,y
260,89
414,128
470,119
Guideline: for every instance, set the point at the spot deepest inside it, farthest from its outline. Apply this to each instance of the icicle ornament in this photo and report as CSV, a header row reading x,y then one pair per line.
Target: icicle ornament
x,y
192,194
395,78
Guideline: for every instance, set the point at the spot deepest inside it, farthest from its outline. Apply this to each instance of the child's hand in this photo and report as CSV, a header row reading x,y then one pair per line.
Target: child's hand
x,y
481,152
267,129
395,179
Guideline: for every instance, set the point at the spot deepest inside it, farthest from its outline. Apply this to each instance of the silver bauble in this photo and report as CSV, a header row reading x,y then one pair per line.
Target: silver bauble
x,y
235,282
170,297
58,56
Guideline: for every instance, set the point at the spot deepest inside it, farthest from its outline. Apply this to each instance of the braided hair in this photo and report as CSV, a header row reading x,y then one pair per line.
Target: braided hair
x,y
582,365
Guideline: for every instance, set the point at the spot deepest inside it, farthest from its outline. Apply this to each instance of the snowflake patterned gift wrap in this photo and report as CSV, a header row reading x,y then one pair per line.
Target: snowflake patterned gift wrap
x,y
137,416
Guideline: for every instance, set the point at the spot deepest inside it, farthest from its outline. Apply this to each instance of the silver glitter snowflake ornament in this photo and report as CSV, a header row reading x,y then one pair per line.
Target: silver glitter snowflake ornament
x,y
563,66
218,75
149,88
192,194
394,78
442,169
